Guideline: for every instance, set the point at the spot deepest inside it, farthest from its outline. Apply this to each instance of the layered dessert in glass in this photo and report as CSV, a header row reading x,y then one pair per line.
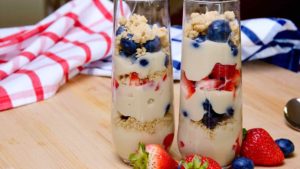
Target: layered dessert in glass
x,y
142,109
210,94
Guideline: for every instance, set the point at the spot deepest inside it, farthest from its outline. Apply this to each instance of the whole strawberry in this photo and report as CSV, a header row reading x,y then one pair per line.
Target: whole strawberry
x,y
152,156
199,162
260,147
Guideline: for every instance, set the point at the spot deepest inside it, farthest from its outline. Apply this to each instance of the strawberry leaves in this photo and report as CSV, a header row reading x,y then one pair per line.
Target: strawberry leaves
x,y
195,164
139,160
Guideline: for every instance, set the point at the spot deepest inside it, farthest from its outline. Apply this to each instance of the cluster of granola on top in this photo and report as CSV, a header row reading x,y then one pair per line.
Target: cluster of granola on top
x,y
207,25
135,36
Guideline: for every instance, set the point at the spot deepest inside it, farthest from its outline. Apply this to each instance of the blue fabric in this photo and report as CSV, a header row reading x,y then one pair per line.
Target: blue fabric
x,y
251,35
288,60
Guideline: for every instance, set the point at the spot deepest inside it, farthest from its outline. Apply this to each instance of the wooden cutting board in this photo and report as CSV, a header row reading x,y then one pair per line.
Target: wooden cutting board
x,y
72,129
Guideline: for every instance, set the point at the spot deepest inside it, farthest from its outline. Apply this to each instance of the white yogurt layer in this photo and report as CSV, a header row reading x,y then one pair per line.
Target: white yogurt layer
x,y
143,102
220,101
218,145
199,62
126,140
123,65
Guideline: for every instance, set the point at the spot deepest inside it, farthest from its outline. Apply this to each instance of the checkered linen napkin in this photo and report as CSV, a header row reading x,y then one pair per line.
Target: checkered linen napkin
x,y
36,60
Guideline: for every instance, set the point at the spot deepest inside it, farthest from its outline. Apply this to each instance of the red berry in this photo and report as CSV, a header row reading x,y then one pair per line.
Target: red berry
x,y
152,156
115,84
222,77
222,71
210,84
165,77
188,85
237,146
157,87
260,147
168,141
136,81
199,162
181,144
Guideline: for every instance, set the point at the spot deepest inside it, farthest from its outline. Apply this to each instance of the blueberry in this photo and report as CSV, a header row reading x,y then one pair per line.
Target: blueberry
x,y
185,113
206,105
167,109
233,48
120,30
242,163
133,58
234,51
200,38
122,53
211,118
144,62
128,46
219,31
286,146
195,44
153,45
230,111
129,35
166,61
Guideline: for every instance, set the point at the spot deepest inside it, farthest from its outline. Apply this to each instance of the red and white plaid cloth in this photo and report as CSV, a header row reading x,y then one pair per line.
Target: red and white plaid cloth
x,y
36,60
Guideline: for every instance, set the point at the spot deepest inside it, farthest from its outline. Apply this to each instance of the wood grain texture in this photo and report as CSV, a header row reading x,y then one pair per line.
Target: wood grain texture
x,y
72,129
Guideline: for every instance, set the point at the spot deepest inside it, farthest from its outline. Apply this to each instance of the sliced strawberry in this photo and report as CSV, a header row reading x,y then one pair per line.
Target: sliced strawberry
x,y
222,77
115,84
143,81
152,156
168,141
165,77
134,76
237,146
260,147
157,87
228,86
199,162
188,85
233,83
210,84
222,71
181,144
136,81
236,78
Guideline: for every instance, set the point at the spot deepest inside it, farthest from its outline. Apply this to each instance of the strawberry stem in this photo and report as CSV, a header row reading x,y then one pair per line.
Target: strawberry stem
x,y
194,164
244,133
139,160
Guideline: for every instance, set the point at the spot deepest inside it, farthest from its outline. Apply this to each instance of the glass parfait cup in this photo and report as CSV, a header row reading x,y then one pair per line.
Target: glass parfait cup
x,y
142,82
210,120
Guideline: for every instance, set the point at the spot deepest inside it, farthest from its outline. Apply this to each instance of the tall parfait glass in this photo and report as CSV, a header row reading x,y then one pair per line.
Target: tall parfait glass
x,y
210,120
142,82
